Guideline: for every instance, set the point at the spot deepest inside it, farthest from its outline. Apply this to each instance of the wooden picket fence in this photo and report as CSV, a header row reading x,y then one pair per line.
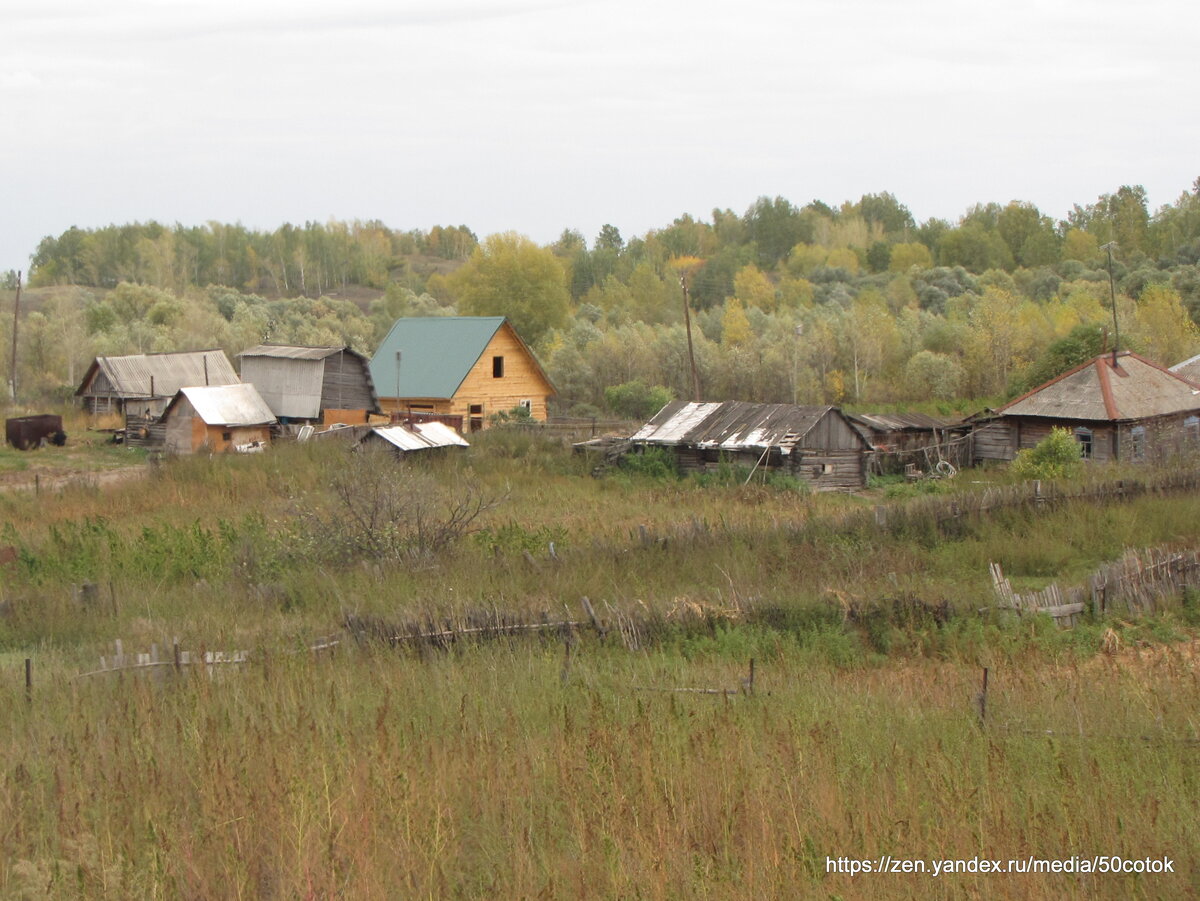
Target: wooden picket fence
x,y
1141,582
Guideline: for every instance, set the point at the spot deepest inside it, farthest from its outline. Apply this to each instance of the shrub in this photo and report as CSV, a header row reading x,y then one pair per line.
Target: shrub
x,y
651,462
636,399
1056,456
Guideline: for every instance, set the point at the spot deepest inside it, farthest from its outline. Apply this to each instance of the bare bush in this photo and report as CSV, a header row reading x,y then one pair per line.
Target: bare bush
x,y
380,507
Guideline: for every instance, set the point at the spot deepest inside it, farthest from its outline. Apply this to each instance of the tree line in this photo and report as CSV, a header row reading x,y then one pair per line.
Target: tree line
x,y
857,304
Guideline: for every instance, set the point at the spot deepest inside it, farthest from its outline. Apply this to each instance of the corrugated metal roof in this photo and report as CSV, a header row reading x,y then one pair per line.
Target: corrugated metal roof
x,y
420,436
731,425
1136,389
296,351
898,422
1188,369
131,376
227,405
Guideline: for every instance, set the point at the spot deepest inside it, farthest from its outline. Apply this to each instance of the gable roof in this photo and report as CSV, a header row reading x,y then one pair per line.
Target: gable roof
x,y
133,375
235,405
733,425
436,354
1135,389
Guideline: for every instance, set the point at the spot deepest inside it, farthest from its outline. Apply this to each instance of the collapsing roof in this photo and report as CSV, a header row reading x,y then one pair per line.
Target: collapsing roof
x,y
419,436
1099,391
230,405
735,425
902,422
137,376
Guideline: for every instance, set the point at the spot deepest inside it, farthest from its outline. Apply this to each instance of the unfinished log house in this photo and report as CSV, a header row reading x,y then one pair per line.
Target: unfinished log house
x,y
467,366
1120,407
816,444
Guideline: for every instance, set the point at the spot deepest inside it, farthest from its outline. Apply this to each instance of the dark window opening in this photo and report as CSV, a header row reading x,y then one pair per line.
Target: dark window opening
x,y
497,367
1084,437
227,436
1138,443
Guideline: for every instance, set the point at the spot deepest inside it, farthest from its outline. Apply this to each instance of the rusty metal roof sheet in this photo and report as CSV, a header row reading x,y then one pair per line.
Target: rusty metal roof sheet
x,y
900,422
732,425
227,404
1135,388
161,375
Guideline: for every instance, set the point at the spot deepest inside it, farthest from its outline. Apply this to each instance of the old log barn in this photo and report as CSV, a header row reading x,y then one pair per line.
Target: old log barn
x,y
141,385
916,439
816,444
317,385
466,366
218,418
1119,407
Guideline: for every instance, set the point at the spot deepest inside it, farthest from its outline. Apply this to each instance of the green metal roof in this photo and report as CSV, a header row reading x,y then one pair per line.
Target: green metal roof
x,y
436,353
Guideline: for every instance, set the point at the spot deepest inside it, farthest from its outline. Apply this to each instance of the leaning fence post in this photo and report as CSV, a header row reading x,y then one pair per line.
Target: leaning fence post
x,y
29,680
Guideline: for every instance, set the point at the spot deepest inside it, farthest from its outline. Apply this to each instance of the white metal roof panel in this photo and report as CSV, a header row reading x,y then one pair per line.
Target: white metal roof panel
x,y
229,405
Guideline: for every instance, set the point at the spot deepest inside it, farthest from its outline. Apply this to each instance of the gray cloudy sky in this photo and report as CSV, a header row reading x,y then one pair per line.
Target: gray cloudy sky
x,y
536,115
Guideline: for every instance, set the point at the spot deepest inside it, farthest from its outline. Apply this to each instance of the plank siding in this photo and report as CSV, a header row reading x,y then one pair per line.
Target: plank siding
x,y
346,384
522,381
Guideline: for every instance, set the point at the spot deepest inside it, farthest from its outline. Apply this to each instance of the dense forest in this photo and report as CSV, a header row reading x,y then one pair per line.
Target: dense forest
x,y
857,304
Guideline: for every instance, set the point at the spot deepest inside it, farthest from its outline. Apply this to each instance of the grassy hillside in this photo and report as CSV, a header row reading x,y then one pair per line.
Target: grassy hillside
x,y
538,766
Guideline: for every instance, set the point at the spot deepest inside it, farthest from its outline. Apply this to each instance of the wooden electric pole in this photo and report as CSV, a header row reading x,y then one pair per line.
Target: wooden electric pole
x,y
687,319
12,371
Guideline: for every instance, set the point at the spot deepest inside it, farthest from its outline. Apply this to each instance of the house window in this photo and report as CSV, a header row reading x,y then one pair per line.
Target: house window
x,y
526,405
1084,437
475,417
227,436
497,367
1137,442
1191,430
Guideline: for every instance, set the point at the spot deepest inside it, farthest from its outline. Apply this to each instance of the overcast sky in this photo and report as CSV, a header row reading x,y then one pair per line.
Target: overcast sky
x,y
537,115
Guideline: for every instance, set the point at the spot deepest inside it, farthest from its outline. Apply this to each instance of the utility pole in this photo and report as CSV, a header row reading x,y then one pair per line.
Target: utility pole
x,y
12,372
687,319
1112,293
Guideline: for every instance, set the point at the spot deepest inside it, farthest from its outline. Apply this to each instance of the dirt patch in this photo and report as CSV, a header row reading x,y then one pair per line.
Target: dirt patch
x,y
55,479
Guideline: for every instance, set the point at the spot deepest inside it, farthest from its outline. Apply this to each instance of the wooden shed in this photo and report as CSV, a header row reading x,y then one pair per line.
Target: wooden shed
x,y
918,440
217,418
1119,407
312,384
142,385
469,366
816,444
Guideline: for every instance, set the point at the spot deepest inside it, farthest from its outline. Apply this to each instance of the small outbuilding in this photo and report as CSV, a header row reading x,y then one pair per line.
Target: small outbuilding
x,y
319,385
816,444
141,385
916,440
415,436
1119,406
217,418
468,366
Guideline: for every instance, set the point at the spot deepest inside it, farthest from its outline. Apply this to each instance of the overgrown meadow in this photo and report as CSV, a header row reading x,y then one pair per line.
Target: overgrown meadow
x,y
562,762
